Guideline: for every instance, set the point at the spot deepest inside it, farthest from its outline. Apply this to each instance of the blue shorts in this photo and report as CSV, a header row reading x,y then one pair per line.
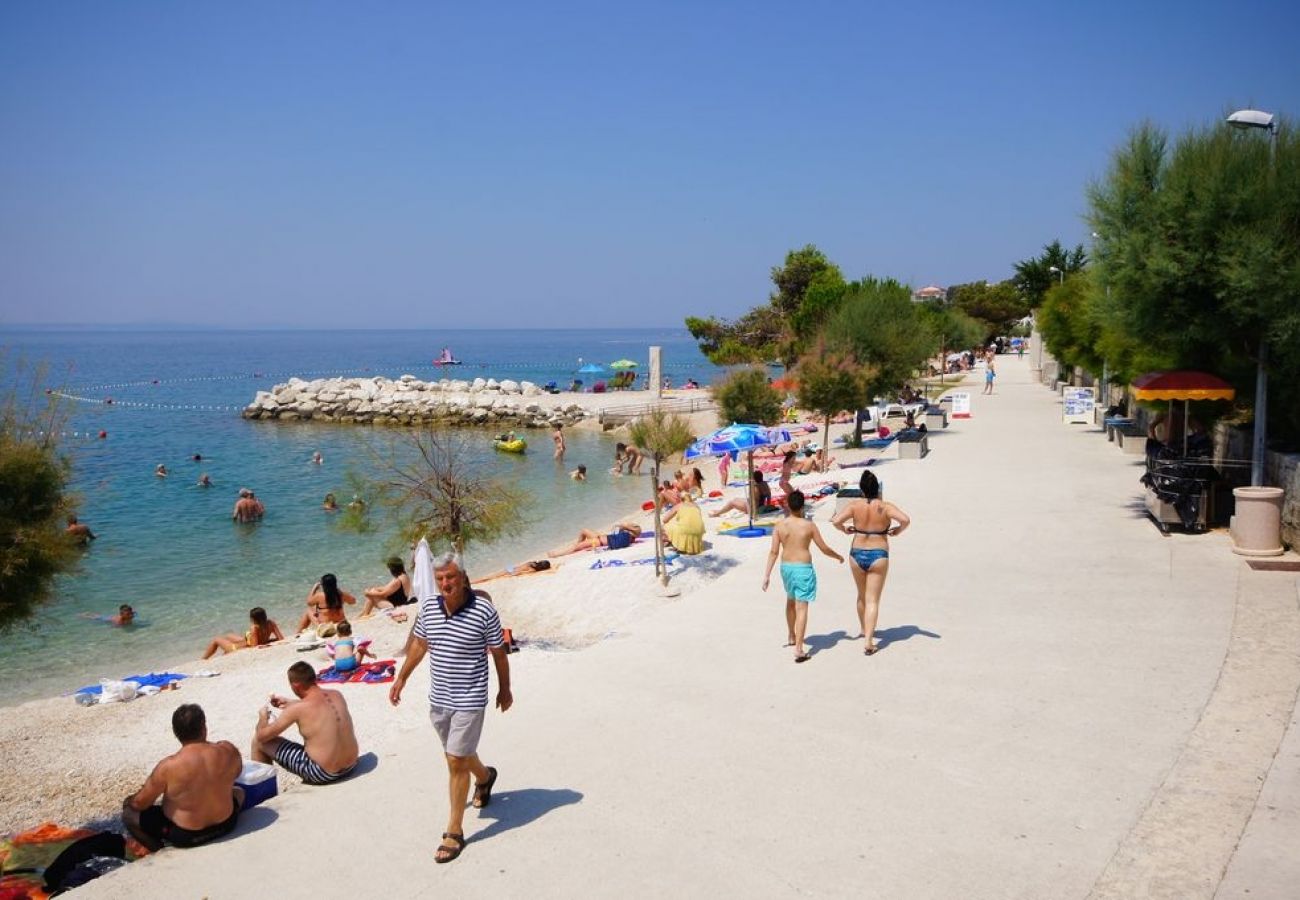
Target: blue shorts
x,y
800,580
868,558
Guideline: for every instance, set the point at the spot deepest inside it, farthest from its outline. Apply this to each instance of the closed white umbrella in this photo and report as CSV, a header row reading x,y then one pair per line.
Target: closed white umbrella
x,y
422,583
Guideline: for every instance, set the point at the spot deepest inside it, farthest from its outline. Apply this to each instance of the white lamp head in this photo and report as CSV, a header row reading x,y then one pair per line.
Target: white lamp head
x,y
1251,118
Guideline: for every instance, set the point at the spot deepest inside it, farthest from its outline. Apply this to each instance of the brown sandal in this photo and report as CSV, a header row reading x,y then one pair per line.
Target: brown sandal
x,y
483,792
445,854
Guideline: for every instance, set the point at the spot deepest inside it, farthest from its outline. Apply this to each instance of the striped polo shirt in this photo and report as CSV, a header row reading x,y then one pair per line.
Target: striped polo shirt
x,y
458,659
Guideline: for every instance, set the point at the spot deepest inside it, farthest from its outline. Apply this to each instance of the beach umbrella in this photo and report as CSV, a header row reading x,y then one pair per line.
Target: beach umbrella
x,y
622,364
735,438
591,369
422,583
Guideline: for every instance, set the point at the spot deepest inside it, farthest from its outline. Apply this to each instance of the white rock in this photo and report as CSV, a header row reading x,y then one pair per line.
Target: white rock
x,y
509,387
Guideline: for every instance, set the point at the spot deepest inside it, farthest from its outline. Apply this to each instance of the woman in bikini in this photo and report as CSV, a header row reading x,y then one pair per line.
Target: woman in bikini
x,y
325,604
397,592
872,522
261,631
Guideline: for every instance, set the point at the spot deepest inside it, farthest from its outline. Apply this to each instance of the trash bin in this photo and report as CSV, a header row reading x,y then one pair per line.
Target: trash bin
x,y
1256,526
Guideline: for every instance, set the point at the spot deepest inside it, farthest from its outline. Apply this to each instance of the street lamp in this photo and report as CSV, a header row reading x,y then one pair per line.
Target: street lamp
x,y
1057,271
1254,118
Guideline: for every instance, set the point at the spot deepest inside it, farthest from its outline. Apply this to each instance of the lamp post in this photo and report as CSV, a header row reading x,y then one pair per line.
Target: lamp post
x,y
1254,118
1057,271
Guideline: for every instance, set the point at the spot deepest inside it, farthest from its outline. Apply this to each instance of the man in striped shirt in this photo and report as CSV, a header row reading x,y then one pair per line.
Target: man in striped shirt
x,y
457,629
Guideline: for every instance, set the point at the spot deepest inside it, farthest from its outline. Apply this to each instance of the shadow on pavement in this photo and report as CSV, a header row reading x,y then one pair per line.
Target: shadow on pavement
x,y
512,809
887,636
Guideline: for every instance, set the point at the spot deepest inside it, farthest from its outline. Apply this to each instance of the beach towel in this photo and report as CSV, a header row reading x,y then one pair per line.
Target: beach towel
x,y
159,680
25,856
367,673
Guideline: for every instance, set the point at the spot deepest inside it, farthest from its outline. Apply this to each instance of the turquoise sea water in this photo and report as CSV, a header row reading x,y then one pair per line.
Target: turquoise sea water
x,y
168,547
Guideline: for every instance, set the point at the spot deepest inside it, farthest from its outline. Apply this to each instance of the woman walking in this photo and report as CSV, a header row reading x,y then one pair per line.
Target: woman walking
x,y
871,521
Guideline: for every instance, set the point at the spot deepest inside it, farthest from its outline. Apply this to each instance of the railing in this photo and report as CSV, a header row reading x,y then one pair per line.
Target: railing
x,y
619,415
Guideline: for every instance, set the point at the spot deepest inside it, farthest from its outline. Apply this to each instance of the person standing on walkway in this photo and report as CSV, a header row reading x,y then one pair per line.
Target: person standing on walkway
x,y
792,541
455,629
871,521
989,373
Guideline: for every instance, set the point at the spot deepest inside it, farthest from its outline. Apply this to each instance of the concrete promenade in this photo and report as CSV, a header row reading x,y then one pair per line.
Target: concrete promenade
x,y
1067,705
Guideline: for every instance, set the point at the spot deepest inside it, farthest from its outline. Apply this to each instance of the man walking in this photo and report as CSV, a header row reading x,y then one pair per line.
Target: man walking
x,y
454,629
197,785
328,752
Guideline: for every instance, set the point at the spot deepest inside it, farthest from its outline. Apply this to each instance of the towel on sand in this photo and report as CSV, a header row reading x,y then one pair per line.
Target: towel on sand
x,y
366,673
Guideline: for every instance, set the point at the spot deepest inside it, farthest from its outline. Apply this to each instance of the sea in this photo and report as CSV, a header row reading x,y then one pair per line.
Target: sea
x,y
168,546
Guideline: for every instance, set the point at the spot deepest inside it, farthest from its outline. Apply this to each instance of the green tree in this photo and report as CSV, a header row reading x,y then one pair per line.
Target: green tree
x,y
1200,243
830,381
878,324
949,328
779,328
997,306
745,397
430,484
1068,322
33,501
663,435
1034,276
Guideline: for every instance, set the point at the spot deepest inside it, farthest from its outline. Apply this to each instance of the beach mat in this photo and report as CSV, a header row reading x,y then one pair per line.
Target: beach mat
x,y
380,672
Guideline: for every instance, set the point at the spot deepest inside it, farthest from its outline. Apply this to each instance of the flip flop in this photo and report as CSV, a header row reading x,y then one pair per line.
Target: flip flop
x,y
483,792
445,854
804,658
870,651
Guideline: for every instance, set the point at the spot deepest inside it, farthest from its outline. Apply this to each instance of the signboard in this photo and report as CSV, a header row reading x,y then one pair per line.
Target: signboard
x,y
1077,404
960,404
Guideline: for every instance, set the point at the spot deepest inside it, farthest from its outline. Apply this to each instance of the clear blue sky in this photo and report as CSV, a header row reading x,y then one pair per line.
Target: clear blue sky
x,y
374,164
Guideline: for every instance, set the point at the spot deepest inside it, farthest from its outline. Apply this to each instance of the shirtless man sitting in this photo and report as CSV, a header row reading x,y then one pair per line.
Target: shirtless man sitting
x,y
329,749
197,784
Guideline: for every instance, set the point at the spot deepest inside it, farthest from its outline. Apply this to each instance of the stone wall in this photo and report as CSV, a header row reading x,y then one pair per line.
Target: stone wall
x,y
409,401
1283,470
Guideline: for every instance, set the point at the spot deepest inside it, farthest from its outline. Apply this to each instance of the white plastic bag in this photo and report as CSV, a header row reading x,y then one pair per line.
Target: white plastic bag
x,y
116,691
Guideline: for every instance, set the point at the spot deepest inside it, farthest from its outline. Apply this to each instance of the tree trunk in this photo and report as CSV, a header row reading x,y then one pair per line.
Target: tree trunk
x,y
826,446
660,568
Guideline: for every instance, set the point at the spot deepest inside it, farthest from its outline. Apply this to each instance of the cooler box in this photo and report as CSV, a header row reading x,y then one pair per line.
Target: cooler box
x,y
258,781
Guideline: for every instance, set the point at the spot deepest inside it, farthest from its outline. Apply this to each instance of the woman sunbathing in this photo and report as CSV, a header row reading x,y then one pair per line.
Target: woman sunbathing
x,y
261,632
397,592
523,568
760,495
325,604
594,540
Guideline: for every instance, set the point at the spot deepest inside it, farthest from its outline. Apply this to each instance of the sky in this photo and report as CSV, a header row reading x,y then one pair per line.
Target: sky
x,y
352,165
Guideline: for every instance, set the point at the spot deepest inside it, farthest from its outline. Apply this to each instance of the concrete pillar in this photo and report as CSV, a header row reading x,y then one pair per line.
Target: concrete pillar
x,y
656,371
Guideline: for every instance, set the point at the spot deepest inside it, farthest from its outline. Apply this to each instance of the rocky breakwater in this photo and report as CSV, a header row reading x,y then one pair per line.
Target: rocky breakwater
x,y
409,401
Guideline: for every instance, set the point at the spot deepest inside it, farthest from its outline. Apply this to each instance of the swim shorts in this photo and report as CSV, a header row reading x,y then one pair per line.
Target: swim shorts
x,y
458,729
868,558
293,757
800,580
154,823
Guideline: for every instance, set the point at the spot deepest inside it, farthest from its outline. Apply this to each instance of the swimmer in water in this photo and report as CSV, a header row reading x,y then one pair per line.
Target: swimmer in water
x,y
125,616
161,471
330,504
579,474
79,532
197,457
204,480
317,459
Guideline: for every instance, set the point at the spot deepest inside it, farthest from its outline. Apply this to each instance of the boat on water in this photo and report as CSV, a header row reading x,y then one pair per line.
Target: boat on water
x,y
517,445
446,359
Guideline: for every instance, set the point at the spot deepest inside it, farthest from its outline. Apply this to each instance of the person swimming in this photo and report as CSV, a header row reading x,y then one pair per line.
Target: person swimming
x,y
330,504
579,474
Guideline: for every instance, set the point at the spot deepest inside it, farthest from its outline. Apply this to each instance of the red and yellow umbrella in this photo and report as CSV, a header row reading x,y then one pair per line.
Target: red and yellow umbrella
x,y
1181,385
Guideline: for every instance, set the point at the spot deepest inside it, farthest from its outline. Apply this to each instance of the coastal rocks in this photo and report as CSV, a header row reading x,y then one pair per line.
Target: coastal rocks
x,y
410,401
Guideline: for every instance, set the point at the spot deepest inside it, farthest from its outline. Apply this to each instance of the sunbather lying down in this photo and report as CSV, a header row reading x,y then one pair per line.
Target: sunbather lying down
x,y
594,540
523,568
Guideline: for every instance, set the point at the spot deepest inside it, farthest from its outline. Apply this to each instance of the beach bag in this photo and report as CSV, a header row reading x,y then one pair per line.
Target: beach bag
x,y
85,860
619,539
116,691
